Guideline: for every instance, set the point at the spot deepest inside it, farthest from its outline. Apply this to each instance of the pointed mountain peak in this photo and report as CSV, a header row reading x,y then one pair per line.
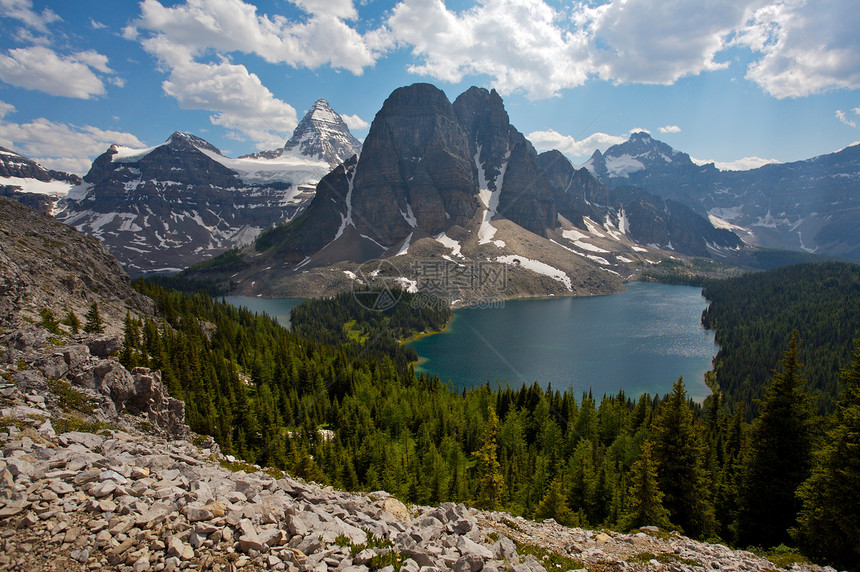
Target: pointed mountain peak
x,y
321,134
181,140
642,136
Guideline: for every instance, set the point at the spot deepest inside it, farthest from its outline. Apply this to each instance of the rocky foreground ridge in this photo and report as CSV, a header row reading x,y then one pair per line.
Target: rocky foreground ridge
x,y
99,471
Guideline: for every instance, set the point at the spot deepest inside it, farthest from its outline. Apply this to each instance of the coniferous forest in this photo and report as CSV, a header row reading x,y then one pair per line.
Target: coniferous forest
x,y
336,401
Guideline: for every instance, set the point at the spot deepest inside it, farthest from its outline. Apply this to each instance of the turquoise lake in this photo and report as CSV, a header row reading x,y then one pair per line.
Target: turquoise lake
x,y
641,341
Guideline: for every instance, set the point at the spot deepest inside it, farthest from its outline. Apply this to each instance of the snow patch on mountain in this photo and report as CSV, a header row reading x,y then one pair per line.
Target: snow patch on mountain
x,y
622,166
538,267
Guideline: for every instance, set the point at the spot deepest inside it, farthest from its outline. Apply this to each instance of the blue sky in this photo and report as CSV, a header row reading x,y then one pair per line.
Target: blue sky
x,y
738,82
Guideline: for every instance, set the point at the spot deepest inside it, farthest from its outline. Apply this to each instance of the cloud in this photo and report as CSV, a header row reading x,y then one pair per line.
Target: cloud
x,y
804,48
22,10
239,100
6,109
669,129
354,122
798,48
744,164
518,43
226,26
60,146
659,41
42,69
96,25
841,116
551,139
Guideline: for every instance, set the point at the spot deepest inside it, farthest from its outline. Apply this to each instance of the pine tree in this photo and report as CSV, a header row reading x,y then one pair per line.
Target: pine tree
x,y
829,521
645,500
554,505
49,321
778,456
94,323
491,482
72,321
681,472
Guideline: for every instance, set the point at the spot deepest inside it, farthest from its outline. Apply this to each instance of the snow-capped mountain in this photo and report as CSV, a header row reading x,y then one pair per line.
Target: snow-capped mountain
x,y
811,206
172,205
181,202
456,185
28,182
321,134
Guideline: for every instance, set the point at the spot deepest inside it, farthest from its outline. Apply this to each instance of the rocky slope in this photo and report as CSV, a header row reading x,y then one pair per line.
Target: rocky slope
x,y
28,182
454,187
45,264
181,202
808,206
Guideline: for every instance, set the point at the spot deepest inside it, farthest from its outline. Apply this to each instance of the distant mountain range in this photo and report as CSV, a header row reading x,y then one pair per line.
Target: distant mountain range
x,y
811,206
175,204
457,183
436,178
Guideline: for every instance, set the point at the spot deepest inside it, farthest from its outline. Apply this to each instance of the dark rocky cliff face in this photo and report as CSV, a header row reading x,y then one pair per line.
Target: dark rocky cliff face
x,y
415,169
525,196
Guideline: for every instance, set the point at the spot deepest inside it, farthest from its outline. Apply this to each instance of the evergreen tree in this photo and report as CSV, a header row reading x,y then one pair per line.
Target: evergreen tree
x,y
72,321
554,505
645,500
829,521
94,323
491,482
49,321
681,473
778,456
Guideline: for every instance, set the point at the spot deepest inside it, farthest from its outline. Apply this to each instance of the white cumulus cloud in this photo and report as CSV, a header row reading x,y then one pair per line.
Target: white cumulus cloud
x,y
570,146
43,69
354,122
520,44
804,48
659,41
744,164
669,129
60,146
22,10
226,26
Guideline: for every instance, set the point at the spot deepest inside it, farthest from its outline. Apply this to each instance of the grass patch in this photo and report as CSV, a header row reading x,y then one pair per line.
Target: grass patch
x,y
236,466
783,556
67,424
7,421
70,398
384,559
549,559
662,558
